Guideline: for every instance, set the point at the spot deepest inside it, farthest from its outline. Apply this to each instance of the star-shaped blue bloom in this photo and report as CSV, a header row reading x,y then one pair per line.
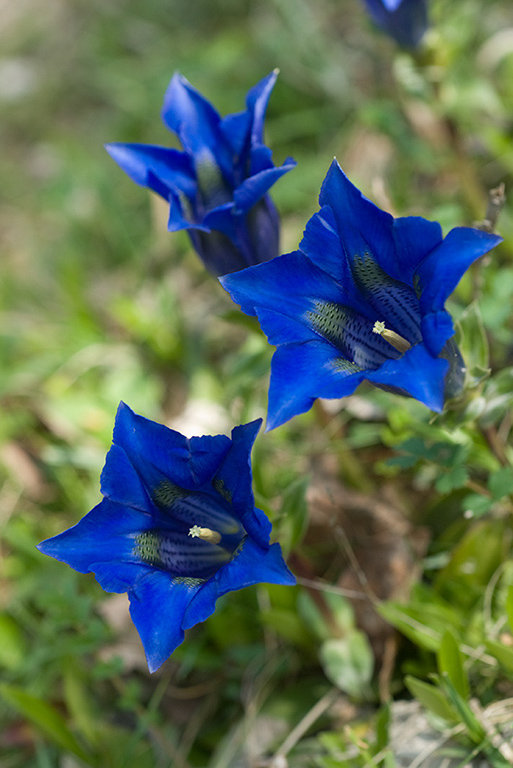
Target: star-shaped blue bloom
x,y
363,298
217,187
176,529
404,20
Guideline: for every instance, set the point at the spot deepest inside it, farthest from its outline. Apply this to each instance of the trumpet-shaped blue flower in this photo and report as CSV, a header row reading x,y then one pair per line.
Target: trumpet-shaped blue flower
x,y
217,187
404,20
363,298
176,529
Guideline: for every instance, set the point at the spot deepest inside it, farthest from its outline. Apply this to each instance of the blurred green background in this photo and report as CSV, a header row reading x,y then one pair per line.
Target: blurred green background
x,y
98,303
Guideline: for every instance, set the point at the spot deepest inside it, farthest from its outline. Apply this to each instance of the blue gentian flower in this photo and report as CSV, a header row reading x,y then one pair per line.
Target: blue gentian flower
x,y
404,20
217,187
176,529
363,298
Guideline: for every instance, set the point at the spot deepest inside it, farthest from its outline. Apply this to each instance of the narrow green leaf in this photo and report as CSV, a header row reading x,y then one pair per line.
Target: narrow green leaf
x,y
431,698
78,701
410,626
45,718
450,661
503,653
475,730
294,512
382,726
509,606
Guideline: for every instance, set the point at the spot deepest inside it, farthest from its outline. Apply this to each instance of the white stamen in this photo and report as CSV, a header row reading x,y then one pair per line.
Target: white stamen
x,y
197,532
393,338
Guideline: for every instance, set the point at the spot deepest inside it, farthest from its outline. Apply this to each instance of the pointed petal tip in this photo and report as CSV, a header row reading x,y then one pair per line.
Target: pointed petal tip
x,y
289,580
47,547
273,421
123,412
154,663
252,428
115,149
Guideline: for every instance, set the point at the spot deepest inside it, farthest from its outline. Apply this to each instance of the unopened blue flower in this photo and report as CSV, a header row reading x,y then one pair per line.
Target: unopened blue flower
x,y
363,298
217,187
176,529
404,20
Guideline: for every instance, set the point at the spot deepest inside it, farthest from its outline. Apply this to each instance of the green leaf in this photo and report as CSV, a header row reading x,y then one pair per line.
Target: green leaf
x,y
78,700
498,396
477,504
474,560
500,483
503,653
336,618
382,728
473,343
450,661
45,718
409,621
432,698
12,643
509,606
294,513
449,481
475,730
348,663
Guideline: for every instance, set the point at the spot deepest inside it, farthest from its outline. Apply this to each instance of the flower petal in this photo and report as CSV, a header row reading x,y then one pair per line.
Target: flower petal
x,y
120,482
365,229
252,565
437,328
321,243
157,606
263,226
119,577
235,129
161,454
364,285
159,168
404,20
284,329
255,187
234,479
263,285
300,373
417,373
256,102
219,254
105,534
182,214
189,114
391,5
221,219
440,272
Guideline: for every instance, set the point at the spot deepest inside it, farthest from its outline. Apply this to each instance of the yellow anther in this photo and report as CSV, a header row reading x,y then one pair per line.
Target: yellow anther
x,y
197,532
392,337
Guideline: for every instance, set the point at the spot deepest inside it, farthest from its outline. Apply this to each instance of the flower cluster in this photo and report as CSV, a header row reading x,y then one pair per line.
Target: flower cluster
x,y
363,298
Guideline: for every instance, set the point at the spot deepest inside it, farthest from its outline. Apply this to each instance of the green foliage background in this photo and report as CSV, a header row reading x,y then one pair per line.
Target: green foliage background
x,y
99,303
